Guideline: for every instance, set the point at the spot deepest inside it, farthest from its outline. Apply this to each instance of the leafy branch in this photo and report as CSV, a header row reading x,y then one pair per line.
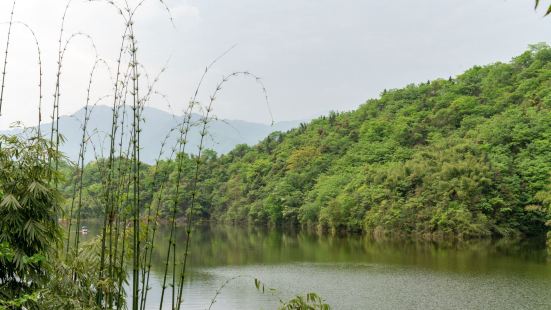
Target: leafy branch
x,y
547,12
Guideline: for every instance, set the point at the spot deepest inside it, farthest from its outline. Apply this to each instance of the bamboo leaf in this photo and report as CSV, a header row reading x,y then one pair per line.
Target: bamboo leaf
x,y
35,188
10,202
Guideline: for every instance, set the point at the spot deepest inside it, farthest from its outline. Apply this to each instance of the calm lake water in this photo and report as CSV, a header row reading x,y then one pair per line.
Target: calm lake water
x,y
355,272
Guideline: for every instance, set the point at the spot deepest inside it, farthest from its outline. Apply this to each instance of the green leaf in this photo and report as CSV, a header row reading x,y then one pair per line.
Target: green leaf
x,y
10,202
35,188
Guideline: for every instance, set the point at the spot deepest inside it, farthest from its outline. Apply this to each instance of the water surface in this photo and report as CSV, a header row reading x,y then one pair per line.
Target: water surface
x,y
355,272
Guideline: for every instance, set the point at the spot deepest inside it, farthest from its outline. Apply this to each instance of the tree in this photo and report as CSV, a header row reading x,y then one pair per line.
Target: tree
x,y
29,205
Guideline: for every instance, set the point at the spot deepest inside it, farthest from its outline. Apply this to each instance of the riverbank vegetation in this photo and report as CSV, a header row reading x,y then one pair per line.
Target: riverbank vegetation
x,y
468,157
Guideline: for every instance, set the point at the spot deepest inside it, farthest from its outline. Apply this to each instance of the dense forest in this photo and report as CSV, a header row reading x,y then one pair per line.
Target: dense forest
x,y
468,157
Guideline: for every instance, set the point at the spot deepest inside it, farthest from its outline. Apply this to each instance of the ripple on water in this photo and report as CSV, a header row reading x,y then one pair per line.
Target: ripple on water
x,y
365,286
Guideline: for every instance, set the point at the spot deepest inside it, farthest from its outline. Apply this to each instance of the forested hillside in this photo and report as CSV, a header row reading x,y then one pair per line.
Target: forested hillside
x,y
468,156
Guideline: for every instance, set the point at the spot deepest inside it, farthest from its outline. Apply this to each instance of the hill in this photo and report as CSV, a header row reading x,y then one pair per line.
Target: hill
x,y
224,135
468,157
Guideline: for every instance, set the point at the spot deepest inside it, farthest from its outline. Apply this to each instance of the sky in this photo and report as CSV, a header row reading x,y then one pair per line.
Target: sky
x,y
314,56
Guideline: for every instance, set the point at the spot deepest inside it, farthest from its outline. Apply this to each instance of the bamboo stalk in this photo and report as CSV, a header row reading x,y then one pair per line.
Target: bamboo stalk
x,y
6,57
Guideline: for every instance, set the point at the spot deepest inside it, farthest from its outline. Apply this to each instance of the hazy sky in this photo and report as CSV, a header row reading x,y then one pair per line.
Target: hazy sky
x,y
313,55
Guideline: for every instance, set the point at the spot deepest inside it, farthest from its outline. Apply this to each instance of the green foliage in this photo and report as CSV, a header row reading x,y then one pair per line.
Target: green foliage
x,y
33,270
468,157
75,281
29,204
311,301
542,209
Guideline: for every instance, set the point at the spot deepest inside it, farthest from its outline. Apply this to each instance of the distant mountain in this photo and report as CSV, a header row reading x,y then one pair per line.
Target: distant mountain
x,y
223,135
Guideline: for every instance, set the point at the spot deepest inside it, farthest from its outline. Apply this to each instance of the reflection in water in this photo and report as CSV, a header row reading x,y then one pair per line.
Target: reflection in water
x,y
356,272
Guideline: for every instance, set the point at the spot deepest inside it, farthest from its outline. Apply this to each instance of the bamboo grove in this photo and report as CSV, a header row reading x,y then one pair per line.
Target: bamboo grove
x,y
94,274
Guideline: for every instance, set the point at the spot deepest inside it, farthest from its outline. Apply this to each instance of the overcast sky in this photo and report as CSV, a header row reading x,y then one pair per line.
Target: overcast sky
x,y
314,55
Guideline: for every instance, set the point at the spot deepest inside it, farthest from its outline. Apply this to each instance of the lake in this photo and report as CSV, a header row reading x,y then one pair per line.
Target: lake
x,y
355,272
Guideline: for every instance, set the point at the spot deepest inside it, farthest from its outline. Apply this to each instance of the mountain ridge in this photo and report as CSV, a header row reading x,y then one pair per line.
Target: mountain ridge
x,y
223,135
